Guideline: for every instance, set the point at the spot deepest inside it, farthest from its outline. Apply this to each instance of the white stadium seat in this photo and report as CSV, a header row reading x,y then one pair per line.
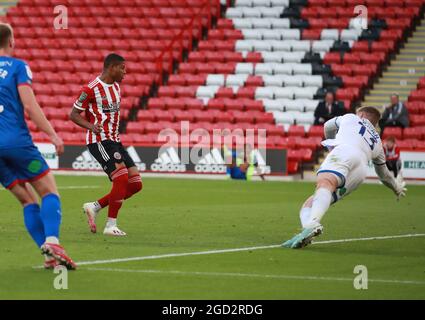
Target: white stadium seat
x,y
303,68
357,23
329,34
271,34
301,46
234,80
305,92
283,117
283,68
276,57
283,3
284,93
242,23
347,35
252,34
273,81
322,45
295,57
215,80
234,13
244,68
244,45
263,68
293,81
261,3
304,118
244,3
281,46
261,23
206,92
291,34
313,81
251,12
263,45
280,23
274,12
264,93
310,105
293,105
273,105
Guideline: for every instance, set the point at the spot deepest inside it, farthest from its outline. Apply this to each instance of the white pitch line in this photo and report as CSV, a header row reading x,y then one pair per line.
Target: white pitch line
x,y
185,254
414,235
252,275
79,187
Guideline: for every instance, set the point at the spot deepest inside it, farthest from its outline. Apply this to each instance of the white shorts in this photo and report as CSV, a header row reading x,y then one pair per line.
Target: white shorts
x,y
347,164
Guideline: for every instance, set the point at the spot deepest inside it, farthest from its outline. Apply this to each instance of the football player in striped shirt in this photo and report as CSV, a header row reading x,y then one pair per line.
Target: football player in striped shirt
x,y
98,110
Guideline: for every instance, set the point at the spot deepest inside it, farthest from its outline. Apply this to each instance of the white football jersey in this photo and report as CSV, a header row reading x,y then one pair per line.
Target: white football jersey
x,y
359,134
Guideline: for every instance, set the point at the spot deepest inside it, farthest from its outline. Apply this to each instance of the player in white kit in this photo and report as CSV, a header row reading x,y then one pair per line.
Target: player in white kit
x,y
353,142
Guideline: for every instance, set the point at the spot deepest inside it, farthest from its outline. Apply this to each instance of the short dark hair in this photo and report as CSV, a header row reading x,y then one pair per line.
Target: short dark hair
x,y
112,59
5,34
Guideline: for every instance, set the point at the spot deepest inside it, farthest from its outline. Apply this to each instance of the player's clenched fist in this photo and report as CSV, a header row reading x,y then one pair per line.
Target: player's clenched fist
x,y
58,143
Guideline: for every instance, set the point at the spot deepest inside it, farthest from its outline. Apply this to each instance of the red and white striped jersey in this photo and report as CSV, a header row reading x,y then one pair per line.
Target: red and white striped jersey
x,y
101,103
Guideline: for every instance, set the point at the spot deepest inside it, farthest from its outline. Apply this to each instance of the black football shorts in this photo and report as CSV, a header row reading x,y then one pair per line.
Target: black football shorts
x,y
108,153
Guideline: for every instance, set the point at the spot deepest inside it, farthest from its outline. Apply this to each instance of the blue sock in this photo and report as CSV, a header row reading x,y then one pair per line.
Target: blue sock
x,y
51,215
34,224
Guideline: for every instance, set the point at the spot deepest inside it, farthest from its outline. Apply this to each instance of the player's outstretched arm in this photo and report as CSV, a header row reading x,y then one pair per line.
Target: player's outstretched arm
x,y
388,180
75,116
331,128
35,113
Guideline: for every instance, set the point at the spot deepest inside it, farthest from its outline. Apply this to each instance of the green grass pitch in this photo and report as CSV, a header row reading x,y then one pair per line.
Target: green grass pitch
x,y
175,216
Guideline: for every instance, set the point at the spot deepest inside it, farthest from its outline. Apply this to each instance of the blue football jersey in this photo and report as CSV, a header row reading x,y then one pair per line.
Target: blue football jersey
x,y
13,128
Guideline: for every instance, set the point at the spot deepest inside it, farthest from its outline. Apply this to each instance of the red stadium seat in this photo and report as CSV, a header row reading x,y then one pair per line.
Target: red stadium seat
x,y
393,131
203,116
332,58
232,105
293,167
417,120
167,92
412,133
352,58
254,57
146,115
360,46
216,104
225,93
177,80
195,80
246,92
233,57
316,131
296,131
180,115
311,34
355,82
415,107
253,105
224,24
418,95
194,104
342,70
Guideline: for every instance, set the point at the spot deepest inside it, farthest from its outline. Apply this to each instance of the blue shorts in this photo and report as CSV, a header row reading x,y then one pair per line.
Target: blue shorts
x,y
237,174
19,165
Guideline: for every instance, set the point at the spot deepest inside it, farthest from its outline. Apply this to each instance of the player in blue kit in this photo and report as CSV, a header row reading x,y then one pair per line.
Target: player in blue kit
x,y
22,167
